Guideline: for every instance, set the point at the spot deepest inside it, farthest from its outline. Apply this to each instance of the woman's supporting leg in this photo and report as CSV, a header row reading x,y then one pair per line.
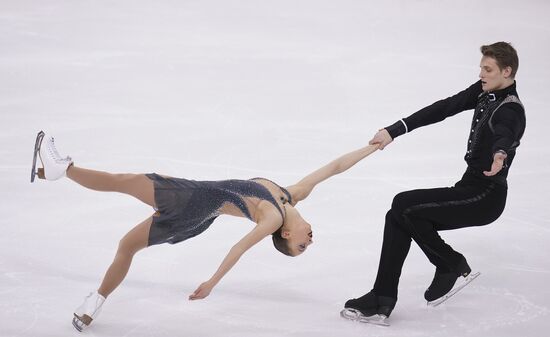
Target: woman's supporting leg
x,y
136,185
130,244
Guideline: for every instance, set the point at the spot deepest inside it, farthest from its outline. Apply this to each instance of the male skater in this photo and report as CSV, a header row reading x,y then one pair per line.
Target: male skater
x,y
477,199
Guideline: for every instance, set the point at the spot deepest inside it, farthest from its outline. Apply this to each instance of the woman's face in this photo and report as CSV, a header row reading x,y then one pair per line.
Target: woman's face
x,y
301,238
492,77
297,232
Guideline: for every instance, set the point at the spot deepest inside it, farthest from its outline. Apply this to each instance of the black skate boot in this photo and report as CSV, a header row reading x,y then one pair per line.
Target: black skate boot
x,y
444,283
369,308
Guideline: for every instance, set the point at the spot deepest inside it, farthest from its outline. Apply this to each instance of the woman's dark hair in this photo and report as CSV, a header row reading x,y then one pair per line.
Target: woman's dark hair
x,y
504,54
280,243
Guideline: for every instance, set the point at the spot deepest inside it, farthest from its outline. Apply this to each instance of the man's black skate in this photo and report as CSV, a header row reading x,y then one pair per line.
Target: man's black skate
x,y
37,144
369,308
445,285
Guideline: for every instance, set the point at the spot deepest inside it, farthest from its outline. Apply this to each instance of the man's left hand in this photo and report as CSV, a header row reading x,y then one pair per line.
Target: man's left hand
x,y
498,164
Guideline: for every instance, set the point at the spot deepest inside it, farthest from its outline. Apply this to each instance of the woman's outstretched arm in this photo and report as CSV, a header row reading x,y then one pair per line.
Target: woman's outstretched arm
x,y
303,188
264,228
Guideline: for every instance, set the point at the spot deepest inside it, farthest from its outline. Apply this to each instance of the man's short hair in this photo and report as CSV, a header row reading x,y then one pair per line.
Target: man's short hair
x,y
504,54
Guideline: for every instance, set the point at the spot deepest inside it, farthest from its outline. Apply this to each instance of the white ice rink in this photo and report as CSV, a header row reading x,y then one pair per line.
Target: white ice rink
x,y
236,89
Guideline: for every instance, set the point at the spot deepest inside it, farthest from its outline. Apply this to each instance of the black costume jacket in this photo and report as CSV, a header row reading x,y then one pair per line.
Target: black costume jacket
x,y
497,125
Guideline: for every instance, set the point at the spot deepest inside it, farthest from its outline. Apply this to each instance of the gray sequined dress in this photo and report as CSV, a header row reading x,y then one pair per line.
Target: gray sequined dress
x,y
186,208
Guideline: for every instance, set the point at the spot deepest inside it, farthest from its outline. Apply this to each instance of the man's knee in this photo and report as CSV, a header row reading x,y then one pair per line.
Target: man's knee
x,y
401,202
401,211
391,218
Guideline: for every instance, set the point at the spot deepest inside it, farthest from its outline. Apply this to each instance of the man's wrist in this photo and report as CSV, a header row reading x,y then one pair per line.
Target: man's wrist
x,y
397,129
503,156
500,152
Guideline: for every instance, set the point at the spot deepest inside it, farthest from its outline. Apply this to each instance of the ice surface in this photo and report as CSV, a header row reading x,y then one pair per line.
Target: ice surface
x,y
238,89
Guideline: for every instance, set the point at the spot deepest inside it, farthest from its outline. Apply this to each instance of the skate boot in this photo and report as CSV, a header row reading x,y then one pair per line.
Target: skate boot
x,y
88,311
53,165
369,308
445,285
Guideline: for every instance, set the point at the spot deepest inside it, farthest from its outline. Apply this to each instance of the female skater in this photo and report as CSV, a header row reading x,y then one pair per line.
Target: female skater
x,y
185,208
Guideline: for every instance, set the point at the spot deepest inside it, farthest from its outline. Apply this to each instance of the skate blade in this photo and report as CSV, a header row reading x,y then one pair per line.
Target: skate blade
x,y
81,323
356,315
37,144
464,282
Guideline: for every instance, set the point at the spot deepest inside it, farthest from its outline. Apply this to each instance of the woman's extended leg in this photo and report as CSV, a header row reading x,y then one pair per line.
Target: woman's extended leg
x,y
136,185
135,240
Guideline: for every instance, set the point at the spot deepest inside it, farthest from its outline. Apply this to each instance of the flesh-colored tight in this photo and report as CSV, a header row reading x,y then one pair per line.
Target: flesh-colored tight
x,y
136,185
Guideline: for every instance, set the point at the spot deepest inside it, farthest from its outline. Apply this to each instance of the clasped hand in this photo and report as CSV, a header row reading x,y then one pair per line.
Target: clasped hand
x,y
381,138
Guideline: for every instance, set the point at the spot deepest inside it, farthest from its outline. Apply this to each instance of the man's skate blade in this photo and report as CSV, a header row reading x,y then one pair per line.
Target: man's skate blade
x,y
356,315
464,282
37,145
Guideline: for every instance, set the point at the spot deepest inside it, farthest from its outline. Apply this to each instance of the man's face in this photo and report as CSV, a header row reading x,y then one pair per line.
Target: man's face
x,y
492,77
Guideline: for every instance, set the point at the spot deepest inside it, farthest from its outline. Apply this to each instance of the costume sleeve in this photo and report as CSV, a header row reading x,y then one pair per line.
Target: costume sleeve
x,y
508,124
438,111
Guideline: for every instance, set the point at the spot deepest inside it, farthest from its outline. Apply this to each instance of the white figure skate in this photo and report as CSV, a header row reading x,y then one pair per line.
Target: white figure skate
x,y
88,311
53,165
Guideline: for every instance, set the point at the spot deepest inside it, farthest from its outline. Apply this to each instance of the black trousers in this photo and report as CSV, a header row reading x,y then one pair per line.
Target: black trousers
x,y
419,214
